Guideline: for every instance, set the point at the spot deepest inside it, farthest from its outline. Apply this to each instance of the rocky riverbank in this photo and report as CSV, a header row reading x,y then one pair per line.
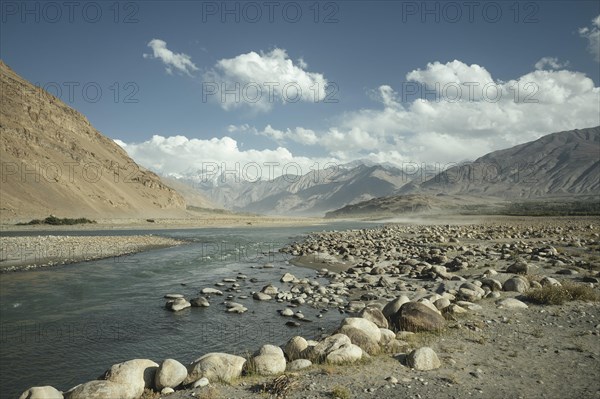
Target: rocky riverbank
x,y
494,309
30,252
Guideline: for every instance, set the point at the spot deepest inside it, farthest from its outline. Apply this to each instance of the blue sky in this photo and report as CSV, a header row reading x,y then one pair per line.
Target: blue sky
x,y
164,55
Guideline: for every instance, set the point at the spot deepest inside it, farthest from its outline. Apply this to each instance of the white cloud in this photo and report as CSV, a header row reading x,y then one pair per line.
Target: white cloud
x,y
593,36
550,63
434,129
430,130
181,62
258,81
178,155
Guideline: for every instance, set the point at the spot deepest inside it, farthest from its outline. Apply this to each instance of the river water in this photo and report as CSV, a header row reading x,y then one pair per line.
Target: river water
x,y
66,325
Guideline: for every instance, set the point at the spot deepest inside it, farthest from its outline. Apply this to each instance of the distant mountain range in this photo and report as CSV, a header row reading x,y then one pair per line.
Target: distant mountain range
x,y
311,194
559,164
55,162
545,173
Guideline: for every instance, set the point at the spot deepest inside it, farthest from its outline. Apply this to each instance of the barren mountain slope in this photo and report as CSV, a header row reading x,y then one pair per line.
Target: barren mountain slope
x,y
55,162
563,163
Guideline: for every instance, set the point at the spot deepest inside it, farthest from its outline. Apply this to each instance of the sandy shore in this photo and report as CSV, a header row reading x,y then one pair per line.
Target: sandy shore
x,y
30,252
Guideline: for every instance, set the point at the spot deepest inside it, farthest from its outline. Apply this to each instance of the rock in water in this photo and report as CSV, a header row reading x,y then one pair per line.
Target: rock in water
x,y
288,277
259,296
414,316
170,374
215,367
200,302
45,392
423,359
177,304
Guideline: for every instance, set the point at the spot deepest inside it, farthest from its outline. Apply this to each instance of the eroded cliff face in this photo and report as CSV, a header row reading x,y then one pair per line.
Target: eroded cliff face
x,y
54,161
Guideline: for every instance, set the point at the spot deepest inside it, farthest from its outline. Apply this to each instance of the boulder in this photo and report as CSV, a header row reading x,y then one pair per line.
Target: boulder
x,y
550,281
375,315
387,336
371,329
346,354
287,278
392,307
215,367
100,390
511,303
517,284
136,375
170,374
294,347
519,267
269,361
423,359
320,351
414,316
298,364
361,339
45,392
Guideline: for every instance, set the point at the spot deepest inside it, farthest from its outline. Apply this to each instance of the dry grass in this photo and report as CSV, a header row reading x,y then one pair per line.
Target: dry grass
x,y
557,295
209,392
282,385
340,392
150,394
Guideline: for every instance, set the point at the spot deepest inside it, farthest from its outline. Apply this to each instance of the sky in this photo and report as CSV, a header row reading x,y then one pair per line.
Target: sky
x,y
181,84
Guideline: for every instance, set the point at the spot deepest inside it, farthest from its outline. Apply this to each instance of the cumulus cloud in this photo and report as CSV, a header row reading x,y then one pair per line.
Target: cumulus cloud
x,y
258,81
178,61
178,155
421,128
550,63
592,34
488,115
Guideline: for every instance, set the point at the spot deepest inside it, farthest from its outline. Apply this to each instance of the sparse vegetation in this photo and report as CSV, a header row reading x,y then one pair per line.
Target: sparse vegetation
x,y
150,394
209,392
340,392
55,221
557,295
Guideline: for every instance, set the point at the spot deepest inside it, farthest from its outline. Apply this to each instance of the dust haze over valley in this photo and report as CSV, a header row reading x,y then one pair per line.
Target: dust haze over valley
x,y
311,199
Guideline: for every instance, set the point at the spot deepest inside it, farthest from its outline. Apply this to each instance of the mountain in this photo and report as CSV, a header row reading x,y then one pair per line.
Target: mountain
x,y
55,162
311,194
558,164
558,173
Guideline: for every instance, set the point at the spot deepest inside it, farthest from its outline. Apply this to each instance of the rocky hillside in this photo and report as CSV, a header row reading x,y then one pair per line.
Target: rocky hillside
x,y
55,162
558,164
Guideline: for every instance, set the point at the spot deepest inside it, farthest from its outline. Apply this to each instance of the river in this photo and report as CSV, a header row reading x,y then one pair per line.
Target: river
x,y
66,325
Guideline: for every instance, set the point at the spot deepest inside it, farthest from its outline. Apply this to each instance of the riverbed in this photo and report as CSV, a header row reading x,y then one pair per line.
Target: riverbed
x,y
65,325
